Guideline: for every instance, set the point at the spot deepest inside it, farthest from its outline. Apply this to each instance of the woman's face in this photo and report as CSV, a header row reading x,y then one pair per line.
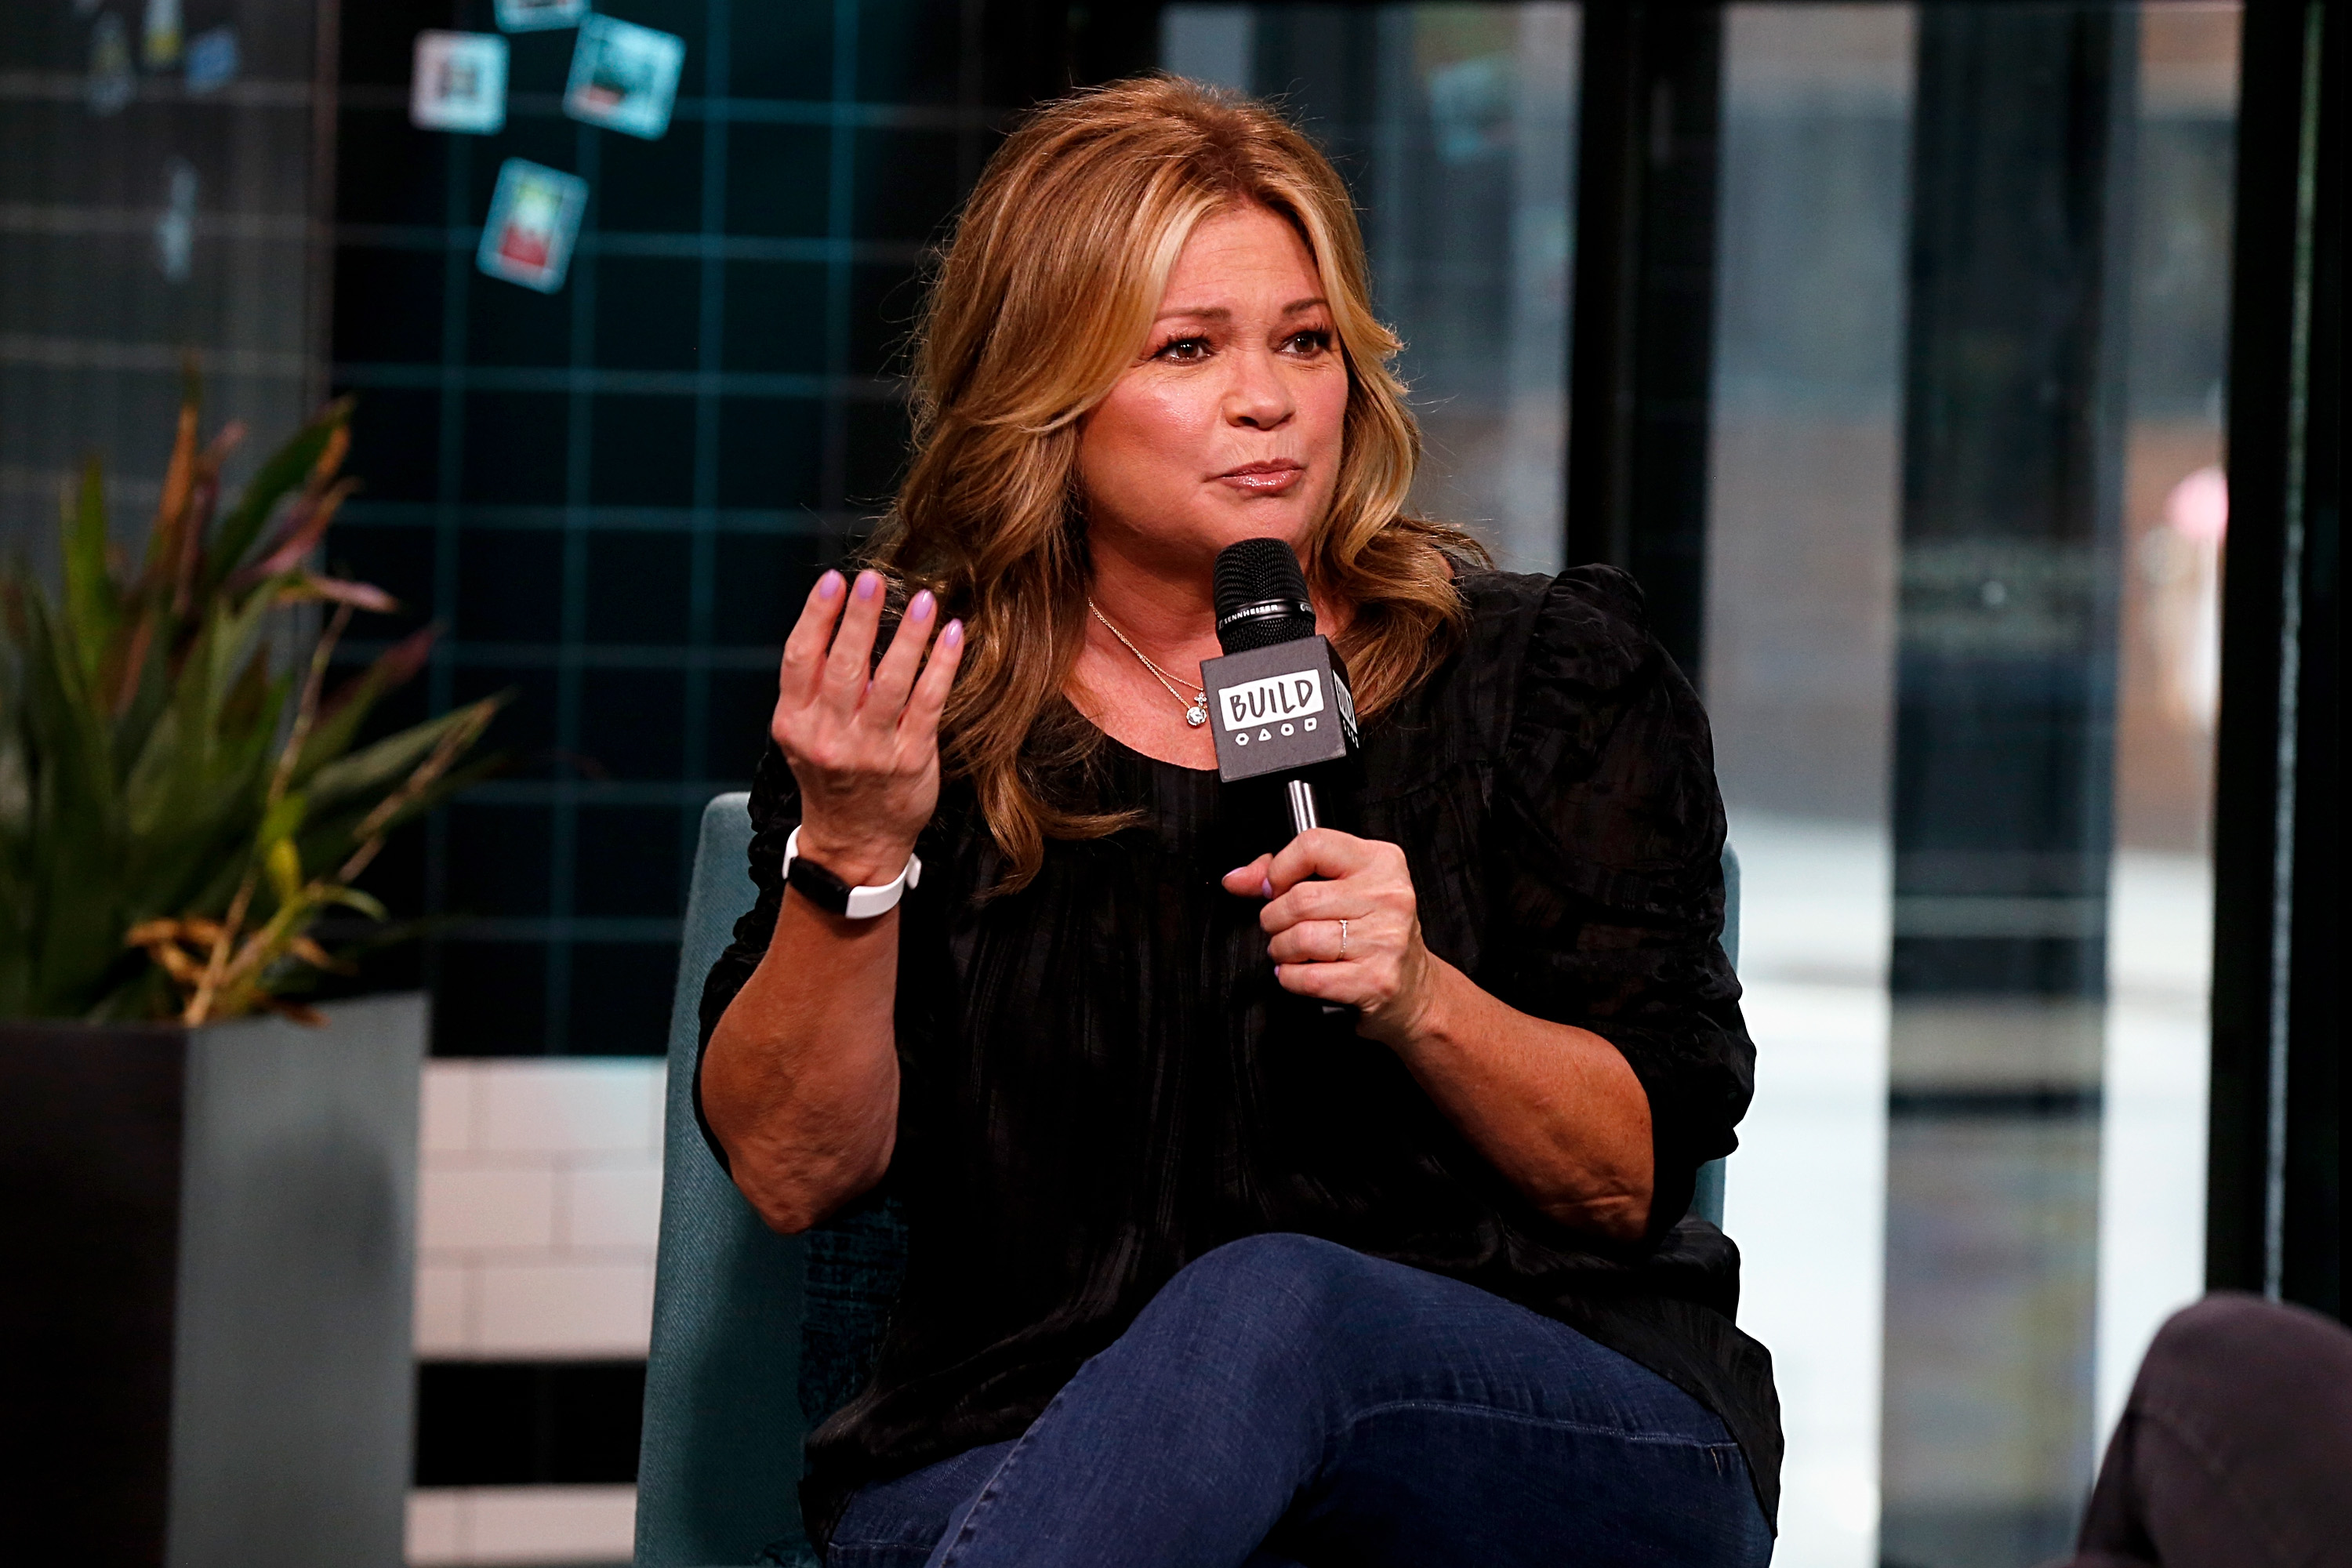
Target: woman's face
x,y
1229,426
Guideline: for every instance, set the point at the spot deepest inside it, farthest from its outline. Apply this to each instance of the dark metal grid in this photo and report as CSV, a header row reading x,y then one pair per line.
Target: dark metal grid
x,y
92,330
614,497
562,489
2276,1220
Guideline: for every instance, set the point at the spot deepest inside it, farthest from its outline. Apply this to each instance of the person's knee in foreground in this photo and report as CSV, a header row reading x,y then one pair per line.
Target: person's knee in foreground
x,y
1270,1195
2235,1448
1286,1393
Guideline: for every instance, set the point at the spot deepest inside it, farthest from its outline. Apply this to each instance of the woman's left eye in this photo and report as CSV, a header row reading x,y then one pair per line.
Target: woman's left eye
x,y
1309,343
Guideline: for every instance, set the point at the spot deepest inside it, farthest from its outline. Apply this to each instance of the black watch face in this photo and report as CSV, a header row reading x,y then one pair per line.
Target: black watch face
x,y
818,886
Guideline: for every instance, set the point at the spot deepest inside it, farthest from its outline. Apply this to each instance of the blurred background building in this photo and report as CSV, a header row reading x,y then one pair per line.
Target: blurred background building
x,y
1890,344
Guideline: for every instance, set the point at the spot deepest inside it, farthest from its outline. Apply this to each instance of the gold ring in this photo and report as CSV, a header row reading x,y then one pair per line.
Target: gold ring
x,y
1343,942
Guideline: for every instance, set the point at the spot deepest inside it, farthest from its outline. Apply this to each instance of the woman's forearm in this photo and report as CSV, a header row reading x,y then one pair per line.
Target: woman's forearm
x,y
800,1083
1555,1108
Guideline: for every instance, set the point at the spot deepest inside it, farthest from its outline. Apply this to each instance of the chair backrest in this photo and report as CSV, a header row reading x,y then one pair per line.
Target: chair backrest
x,y
727,1403
1707,1197
719,1471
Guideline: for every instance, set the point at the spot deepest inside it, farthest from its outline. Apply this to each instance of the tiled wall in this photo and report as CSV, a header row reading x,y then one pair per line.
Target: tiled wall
x,y
539,1200
448,1526
539,1204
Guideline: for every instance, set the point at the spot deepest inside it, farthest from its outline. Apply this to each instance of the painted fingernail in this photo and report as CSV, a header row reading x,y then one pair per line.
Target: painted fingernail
x,y
953,635
829,586
867,583
1265,888
919,607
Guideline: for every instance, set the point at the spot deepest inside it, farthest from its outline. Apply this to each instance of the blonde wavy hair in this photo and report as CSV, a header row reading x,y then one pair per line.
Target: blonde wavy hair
x,y
1044,295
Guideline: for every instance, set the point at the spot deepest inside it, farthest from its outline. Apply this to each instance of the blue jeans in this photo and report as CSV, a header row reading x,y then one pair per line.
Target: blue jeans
x,y
1284,1400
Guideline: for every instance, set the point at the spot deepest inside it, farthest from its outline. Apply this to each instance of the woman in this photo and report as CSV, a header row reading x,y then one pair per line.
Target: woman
x,y
1268,1201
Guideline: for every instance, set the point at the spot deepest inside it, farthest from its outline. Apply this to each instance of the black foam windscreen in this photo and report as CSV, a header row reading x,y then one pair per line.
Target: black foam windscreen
x,y
1261,596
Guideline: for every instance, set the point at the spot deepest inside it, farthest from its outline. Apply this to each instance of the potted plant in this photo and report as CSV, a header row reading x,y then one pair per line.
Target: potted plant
x,y
207,1182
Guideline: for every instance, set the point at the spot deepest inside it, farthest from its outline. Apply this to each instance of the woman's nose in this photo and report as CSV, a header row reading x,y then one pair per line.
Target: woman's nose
x,y
1257,396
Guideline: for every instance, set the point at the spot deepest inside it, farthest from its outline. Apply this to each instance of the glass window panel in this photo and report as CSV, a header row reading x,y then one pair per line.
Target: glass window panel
x,y
1803,547
1962,649
1455,126
140,224
2175,513
1961,654
586,483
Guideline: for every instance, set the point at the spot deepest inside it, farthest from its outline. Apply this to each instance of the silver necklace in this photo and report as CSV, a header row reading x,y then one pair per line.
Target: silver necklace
x,y
1196,707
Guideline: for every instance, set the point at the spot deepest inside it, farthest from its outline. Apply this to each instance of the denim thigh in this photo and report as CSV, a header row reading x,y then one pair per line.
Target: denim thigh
x,y
894,1523
1367,1413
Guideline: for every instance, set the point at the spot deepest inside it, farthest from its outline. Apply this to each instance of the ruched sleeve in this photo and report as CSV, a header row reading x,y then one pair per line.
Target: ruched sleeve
x,y
775,812
1612,830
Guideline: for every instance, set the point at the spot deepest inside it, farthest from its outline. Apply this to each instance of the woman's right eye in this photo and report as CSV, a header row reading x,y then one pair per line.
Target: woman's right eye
x,y
1184,351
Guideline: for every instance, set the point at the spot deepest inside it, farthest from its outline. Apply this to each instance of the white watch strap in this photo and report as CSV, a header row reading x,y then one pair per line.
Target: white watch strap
x,y
865,904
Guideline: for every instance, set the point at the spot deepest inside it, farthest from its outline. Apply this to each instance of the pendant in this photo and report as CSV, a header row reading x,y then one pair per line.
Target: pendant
x,y
1198,714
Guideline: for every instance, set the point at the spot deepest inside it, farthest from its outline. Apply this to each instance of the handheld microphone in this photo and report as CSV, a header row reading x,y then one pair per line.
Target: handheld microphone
x,y
1279,696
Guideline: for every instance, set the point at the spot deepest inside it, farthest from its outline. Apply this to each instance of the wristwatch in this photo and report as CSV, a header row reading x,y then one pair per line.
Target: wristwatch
x,y
831,894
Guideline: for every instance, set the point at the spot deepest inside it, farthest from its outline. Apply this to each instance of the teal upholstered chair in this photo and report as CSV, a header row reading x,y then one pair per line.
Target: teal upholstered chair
x,y
1707,1202
736,1307
719,1470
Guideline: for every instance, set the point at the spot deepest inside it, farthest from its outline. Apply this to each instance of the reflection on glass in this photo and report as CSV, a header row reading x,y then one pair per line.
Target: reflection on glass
x,y
1800,657
2175,513
140,224
1963,647
2013,422
1457,127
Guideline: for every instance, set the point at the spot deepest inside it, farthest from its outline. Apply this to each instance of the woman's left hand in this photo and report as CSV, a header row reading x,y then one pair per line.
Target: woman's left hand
x,y
1353,937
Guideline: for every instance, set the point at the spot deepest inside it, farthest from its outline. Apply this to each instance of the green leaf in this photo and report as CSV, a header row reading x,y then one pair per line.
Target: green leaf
x,y
284,820
328,838
246,702
142,736
93,603
284,864
366,903
191,758
73,813
150,695
340,722
374,771
282,472
194,796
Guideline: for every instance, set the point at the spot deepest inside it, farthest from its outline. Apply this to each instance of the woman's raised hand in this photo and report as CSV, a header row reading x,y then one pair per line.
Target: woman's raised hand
x,y
861,738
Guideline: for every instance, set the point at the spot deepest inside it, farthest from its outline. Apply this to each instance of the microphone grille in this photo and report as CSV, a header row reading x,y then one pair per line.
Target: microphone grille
x,y
1260,575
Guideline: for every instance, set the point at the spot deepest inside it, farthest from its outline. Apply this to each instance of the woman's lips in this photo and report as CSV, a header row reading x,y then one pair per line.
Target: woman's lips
x,y
1270,478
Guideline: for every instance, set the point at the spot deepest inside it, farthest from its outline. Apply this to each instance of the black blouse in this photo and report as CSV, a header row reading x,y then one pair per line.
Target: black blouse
x,y
1101,1081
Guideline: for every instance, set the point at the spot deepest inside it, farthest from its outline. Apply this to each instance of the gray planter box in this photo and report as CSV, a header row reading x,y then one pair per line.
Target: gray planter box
x,y
206,1250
